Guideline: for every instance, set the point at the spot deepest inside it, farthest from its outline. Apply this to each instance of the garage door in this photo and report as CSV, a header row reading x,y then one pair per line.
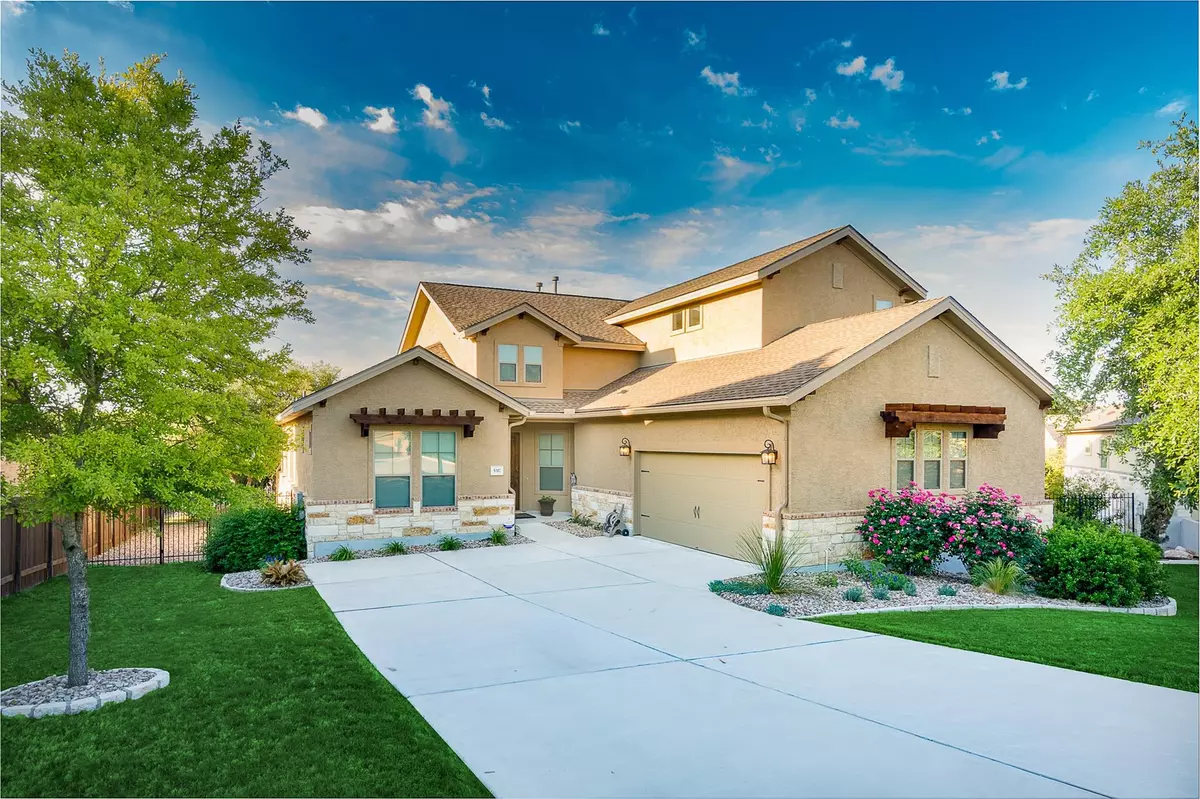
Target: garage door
x,y
703,501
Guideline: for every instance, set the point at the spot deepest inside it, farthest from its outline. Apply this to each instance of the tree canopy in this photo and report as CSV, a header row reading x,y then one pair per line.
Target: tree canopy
x,y
1128,313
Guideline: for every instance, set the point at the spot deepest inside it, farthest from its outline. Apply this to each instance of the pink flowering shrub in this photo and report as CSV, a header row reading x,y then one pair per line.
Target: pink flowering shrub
x,y
990,524
904,530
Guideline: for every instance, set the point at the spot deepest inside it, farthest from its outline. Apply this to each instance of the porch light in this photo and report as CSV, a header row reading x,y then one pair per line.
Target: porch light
x,y
770,455
625,450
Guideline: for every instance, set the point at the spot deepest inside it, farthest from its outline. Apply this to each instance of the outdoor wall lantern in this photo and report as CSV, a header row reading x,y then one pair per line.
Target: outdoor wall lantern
x,y
770,455
625,450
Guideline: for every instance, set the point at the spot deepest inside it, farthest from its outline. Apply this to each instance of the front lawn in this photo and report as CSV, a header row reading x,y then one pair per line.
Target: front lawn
x,y
1152,649
268,697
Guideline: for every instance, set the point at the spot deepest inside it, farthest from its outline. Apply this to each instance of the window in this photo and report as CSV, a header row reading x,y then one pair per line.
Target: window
x,y
1105,451
693,320
934,458
677,322
392,452
956,459
906,452
882,305
533,364
437,468
687,320
507,355
931,459
550,461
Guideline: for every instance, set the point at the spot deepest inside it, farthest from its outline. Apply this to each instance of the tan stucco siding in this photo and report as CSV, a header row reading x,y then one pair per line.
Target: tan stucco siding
x,y
586,369
295,471
435,328
522,333
841,453
342,463
803,293
598,464
531,488
730,323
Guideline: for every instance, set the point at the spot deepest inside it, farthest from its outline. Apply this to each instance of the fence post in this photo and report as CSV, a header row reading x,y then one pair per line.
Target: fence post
x,y
161,535
16,555
50,549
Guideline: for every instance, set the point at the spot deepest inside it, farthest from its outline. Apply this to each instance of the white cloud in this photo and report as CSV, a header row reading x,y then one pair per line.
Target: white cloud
x,y
1003,157
727,170
966,111
810,96
1092,95
887,74
836,122
15,8
693,40
987,137
1173,108
309,116
436,115
493,122
769,109
569,125
1142,90
1000,82
894,151
770,153
846,42
124,5
727,82
854,67
384,119
599,30
764,124
485,90
798,123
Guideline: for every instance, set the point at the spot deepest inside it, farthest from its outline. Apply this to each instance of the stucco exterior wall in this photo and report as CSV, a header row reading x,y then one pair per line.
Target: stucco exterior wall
x,y
295,471
531,490
837,436
1082,451
521,332
435,328
598,464
585,368
342,463
803,293
730,323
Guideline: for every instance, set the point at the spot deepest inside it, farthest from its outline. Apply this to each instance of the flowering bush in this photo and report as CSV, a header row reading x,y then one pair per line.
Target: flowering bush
x,y
905,530
990,524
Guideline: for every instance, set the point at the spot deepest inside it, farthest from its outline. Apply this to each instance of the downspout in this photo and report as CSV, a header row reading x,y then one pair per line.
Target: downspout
x,y
512,425
787,443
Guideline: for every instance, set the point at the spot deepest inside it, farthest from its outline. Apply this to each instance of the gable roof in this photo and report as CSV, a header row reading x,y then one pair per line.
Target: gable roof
x,y
789,368
581,316
304,404
754,269
1105,419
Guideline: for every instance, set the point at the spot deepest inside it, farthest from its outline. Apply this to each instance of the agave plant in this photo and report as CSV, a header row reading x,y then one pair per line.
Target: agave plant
x,y
999,576
283,572
775,558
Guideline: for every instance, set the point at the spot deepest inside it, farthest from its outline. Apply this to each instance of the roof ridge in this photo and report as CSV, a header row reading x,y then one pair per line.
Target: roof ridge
x,y
521,291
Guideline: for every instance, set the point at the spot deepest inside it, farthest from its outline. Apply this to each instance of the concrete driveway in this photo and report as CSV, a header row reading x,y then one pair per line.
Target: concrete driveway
x,y
604,667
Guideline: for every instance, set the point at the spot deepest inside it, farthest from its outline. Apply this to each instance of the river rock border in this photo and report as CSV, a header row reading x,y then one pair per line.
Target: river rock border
x,y
161,679
227,582
1168,609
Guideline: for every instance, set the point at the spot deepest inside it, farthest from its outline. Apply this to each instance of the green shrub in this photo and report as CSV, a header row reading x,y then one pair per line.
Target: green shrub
x,y
947,590
449,543
583,521
498,538
241,540
880,592
342,553
854,594
826,580
999,575
910,588
856,566
776,610
1095,562
395,548
739,587
775,558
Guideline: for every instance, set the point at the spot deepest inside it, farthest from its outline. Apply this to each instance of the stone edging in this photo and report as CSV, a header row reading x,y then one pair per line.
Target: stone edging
x,y
609,491
240,590
161,679
1168,609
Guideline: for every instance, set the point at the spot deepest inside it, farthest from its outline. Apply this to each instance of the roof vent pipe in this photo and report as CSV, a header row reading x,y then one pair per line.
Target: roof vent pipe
x,y
555,279
539,285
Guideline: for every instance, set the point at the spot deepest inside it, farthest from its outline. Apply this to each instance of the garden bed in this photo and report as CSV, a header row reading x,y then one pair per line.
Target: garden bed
x,y
575,529
513,540
807,599
253,581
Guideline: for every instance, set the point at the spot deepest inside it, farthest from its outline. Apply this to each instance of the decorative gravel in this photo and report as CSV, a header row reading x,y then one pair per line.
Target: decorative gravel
x,y
809,599
52,697
253,581
576,529
513,540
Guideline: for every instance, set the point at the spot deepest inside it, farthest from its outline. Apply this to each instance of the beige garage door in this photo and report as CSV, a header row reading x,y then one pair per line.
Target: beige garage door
x,y
703,501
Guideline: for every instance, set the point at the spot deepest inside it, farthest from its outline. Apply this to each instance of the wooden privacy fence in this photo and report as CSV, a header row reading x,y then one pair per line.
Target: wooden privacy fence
x,y
150,534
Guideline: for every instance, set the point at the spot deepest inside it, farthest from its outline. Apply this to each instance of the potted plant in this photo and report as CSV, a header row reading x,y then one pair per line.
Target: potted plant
x,y
546,503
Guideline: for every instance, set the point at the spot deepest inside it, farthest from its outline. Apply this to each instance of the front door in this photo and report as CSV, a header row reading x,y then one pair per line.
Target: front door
x,y
514,467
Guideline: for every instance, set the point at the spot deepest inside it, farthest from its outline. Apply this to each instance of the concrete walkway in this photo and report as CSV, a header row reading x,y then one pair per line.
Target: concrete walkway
x,y
604,667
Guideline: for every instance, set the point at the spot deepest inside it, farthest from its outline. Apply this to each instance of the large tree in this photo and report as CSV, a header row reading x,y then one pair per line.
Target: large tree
x,y
1128,313
140,288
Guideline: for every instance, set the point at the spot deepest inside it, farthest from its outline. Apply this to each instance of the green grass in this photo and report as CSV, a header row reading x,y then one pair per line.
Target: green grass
x,y
1151,649
268,697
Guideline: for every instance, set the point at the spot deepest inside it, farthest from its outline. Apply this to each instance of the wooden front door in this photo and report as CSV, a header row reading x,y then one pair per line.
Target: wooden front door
x,y
514,468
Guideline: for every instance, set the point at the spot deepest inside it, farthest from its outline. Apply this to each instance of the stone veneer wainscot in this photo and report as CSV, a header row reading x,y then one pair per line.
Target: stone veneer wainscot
x,y
359,525
597,503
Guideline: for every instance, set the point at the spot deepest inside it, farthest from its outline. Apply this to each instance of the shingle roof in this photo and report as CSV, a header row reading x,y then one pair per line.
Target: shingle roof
x,y
437,349
1110,417
465,306
570,399
740,269
773,371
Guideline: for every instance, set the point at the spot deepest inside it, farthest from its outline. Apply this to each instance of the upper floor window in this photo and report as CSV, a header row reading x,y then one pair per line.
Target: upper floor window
x,y
934,458
686,319
882,304
507,355
533,364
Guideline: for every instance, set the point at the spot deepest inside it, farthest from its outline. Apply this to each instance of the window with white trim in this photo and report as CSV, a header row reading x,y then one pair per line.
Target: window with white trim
x,y
687,319
438,468
551,464
391,452
882,304
935,458
506,355
533,364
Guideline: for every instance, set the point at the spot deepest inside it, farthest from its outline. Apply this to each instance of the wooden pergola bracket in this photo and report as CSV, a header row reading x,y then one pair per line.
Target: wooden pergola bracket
x,y
900,418
452,418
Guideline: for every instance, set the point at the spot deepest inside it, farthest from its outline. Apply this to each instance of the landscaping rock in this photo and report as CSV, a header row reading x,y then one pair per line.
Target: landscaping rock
x,y
1179,553
52,696
574,529
513,540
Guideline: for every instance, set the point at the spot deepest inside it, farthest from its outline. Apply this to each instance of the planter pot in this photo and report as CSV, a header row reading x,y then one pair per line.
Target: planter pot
x,y
547,508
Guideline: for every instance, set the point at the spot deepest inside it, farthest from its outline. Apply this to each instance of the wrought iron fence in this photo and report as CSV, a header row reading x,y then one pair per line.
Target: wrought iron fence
x,y
1121,510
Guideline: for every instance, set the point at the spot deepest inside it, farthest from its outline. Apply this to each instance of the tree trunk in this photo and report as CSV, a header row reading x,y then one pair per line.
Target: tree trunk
x,y
77,635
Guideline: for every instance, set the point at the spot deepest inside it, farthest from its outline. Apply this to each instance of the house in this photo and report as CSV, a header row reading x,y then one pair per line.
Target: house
x,y
767,396
1088,451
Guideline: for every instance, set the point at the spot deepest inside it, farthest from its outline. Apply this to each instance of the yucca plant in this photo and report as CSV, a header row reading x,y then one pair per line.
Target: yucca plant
x,y
498,538
342,553
283,572
775,558
395,548
1000,576
449,543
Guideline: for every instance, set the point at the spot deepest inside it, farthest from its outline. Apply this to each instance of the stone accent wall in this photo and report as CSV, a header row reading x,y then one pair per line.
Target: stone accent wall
x,y
597,503
359,525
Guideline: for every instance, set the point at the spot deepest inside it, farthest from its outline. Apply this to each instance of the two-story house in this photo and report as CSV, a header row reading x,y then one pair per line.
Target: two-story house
x,y
768,395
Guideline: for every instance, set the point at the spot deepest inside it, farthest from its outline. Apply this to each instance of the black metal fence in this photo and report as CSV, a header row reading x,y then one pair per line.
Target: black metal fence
x,y
1120,510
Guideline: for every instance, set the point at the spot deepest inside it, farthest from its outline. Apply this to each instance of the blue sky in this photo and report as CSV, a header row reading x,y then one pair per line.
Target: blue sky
x,y
625,147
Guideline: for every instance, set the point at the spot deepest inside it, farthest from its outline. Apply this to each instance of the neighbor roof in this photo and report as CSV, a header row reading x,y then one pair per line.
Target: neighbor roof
x,y
1111,417
466,306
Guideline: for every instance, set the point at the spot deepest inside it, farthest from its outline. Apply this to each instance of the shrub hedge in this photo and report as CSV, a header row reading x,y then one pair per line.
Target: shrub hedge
x,y
1095,562
240,540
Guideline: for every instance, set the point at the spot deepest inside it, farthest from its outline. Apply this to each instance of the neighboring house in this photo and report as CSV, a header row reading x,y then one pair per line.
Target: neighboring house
x,y
772,393
1088,451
